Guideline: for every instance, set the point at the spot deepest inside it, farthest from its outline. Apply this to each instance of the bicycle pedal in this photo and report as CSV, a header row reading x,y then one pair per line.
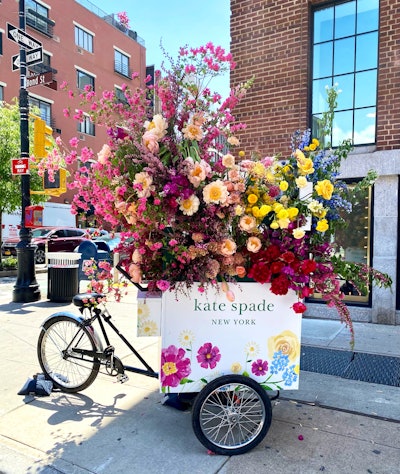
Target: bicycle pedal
x,y
122,378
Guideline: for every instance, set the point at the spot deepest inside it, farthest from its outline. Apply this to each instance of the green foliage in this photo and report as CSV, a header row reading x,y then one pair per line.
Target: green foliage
x,y
9,263
10,147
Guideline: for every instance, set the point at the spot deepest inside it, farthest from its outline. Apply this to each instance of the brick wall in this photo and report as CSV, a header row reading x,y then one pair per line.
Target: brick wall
x,y
271,40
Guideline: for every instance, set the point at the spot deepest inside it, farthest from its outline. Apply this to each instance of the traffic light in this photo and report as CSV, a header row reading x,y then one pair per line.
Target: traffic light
x,y
58,186
42,138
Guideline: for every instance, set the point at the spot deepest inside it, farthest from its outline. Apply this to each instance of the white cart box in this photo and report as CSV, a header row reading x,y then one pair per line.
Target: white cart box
x,y
205,336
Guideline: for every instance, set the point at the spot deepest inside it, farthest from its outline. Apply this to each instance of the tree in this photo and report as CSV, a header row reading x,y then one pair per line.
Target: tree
x,y
10,185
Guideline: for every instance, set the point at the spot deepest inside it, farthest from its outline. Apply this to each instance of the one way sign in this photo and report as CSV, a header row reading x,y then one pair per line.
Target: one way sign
x,y
34,56
22,38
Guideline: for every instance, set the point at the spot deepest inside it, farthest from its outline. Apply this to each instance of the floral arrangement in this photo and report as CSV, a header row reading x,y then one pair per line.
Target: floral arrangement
x,y
193,207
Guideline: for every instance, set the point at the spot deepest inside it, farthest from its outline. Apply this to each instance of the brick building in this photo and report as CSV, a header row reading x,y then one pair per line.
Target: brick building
x,y
296,47
81,45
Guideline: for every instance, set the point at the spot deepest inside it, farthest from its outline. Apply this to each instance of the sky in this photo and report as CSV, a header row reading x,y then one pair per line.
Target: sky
x,y
176,23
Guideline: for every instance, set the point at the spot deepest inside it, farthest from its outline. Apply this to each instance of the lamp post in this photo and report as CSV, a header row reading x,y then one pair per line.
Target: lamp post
x,y
26,288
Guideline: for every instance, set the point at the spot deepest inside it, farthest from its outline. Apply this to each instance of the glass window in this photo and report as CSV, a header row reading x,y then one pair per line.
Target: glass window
x,y
37,16
83,80
1,93
121,63
345,52
86,126
120,96
1,42
83,39
44,107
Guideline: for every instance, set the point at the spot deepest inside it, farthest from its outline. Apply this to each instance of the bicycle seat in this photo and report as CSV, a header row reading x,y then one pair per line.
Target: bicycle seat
x,y
87,299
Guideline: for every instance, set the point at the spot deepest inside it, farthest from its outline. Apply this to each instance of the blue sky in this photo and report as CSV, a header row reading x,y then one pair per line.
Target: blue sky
x,y
176,23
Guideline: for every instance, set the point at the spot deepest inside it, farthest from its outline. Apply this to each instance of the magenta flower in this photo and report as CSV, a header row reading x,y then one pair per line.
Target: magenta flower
x,y
259,367
208,356
174,367
163,285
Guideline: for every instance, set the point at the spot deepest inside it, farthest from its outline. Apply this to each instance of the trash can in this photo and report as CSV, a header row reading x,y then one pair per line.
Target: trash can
x,y
62,276
88,250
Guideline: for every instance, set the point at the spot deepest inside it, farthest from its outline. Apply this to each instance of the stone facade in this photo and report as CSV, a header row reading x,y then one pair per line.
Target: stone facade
x,y
271,41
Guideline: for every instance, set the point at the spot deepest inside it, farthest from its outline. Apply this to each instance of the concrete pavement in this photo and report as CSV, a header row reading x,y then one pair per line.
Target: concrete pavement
x,y
330,424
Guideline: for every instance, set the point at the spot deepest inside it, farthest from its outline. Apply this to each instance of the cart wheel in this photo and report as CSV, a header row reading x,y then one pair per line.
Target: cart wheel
x,y
231,415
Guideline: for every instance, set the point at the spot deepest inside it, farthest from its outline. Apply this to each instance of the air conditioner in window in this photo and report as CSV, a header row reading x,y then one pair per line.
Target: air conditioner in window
x,y
82,137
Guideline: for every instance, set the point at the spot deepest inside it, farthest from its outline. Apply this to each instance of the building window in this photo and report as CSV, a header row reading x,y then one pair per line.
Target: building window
x,y
121,63
1,93
83,39
345,52
83,80
37,16
86,126
1,42
120,96
44,107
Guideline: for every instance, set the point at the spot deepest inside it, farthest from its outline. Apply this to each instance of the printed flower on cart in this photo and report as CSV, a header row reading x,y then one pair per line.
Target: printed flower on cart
x,y
208,356
175,367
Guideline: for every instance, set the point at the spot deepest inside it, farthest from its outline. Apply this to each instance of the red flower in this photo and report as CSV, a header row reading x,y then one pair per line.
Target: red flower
x,y
308,266
299,307
280,285
276,267
306,291
260,272
288,257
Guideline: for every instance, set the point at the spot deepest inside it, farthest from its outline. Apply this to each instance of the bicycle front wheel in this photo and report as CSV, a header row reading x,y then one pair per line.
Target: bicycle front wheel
x,y
59,350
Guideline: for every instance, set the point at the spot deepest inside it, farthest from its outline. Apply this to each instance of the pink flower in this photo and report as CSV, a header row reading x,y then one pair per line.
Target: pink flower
x,y
208,356
299,307
259,367
163,285
174,366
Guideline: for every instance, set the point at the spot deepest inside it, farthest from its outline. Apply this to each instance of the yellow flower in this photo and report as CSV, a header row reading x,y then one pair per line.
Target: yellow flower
x,y
315,141
322,225
283,185
298,233
252,198
306,166
277,206
236,368
284,222
255,211
301,182
264,210
239,210
324,188
286,342
312,146
282,214
242,153
274,225
292,212
258,169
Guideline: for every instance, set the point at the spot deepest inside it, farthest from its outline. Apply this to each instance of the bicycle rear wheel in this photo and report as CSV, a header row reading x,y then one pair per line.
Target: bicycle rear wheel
x,y
59,358
231,415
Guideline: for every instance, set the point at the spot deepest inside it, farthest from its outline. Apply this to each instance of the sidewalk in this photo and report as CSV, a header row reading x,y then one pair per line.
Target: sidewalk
x,y
345,425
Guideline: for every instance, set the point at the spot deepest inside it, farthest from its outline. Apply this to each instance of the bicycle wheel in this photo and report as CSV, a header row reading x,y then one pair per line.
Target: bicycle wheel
x,y
70,371
231,415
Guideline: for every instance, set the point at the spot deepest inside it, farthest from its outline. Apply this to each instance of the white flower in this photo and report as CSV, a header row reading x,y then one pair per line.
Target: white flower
x,y
190,205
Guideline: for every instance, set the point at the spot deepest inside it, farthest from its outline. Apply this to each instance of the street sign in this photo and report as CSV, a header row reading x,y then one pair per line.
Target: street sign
x,y
34,79
20,166
34,56
22,38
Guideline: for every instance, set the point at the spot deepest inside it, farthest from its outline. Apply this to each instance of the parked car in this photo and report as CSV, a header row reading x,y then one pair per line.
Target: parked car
x,y
57,239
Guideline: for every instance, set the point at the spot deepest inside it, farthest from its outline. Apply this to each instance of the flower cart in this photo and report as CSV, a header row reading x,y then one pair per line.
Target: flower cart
x,y
231,352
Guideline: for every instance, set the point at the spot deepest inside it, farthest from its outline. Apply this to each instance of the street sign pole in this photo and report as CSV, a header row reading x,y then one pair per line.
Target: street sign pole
x,y
26,288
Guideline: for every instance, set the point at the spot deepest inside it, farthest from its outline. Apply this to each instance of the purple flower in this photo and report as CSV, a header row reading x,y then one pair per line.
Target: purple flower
x,y
208,356
259,367
174,367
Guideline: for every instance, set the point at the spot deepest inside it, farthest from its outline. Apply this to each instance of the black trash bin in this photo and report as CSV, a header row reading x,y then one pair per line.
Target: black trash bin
x,y
62,276
88,250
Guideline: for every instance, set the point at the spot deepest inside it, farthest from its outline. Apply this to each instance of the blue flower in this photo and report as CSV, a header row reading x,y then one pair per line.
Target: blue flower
x,y
279,362
289,375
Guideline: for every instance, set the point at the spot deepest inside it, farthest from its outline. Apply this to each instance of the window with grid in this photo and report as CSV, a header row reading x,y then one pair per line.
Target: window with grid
x,y
83,39
345,52
44,107
86,126
121,63
37,16
83,79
